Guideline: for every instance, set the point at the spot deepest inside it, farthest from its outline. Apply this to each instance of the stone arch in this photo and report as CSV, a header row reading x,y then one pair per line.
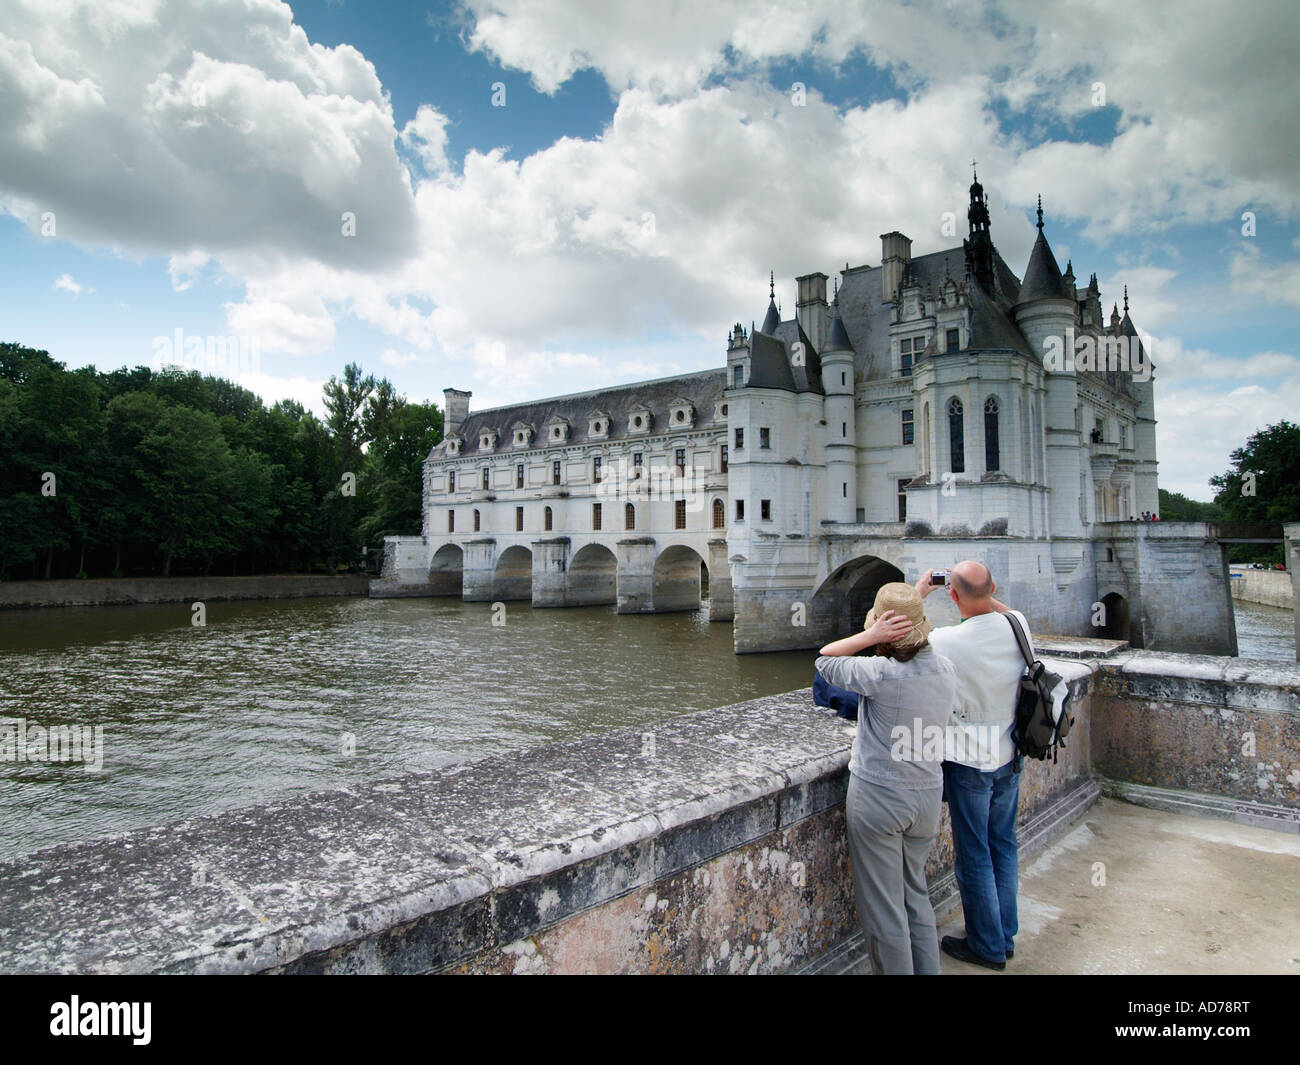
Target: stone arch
x,y
512,577
841,602
592,576
1118,622
447,570
677,579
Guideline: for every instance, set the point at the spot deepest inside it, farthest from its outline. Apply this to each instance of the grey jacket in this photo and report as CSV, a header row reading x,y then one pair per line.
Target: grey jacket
x,y
902,719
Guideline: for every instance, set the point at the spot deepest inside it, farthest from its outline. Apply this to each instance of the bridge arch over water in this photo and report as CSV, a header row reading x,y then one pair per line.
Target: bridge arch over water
x,y
842,600
447,570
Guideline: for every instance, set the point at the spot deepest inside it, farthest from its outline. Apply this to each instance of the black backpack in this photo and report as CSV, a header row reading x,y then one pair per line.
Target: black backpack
x,y
1036,732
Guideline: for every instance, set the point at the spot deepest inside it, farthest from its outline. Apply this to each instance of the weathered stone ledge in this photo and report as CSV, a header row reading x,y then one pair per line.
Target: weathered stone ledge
x,y
413,873
638,850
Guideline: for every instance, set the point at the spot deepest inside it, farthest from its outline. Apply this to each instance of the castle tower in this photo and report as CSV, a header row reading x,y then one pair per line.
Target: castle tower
x,y
1146,491
841,433
1046,316
979,245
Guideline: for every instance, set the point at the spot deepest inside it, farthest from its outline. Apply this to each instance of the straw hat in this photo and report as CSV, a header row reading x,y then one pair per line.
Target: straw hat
x,y
905,600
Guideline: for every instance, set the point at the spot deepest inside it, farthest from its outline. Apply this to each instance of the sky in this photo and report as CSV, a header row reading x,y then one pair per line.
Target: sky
x,y
527,198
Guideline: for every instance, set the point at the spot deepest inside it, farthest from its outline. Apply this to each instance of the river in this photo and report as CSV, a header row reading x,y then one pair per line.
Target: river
x,y
276,698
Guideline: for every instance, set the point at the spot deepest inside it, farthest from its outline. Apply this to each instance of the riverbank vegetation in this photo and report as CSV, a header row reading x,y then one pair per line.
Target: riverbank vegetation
x,y
147,472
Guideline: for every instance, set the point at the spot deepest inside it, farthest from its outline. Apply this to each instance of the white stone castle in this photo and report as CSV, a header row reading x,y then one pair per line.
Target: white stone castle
x,y
937,408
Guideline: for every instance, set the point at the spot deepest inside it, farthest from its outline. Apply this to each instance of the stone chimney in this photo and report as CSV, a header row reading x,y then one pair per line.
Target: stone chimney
x,y
895,254
812,309
455,409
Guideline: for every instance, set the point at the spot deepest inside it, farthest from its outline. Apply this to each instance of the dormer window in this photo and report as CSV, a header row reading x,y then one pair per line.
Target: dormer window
x,y
598,424
453,445
638,420
521,434
487,441
557,430
681,414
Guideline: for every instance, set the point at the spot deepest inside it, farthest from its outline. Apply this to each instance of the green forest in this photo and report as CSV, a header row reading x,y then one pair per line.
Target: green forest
x,y
139,472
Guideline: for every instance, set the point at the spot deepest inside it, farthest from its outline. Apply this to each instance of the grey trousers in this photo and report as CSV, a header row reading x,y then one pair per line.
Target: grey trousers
x,y
891,831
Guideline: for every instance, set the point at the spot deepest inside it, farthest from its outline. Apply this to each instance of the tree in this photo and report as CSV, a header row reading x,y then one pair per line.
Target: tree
x,y
396,469
1174,506
174,471
1263,484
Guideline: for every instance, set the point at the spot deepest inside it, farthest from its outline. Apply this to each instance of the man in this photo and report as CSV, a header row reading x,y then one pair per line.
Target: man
x,y
982,773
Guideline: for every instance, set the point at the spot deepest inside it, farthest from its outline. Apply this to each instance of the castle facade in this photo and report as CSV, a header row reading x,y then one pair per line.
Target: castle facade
x,y
933,408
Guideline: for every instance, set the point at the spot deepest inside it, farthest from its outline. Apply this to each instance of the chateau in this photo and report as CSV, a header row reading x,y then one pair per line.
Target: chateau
x,y
932,409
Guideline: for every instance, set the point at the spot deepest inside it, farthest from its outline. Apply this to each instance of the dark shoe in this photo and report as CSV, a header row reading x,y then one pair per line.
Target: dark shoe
x,y
956,947
1010,954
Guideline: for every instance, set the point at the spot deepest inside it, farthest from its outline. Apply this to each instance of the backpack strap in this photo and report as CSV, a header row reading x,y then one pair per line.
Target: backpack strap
x,y
1020,639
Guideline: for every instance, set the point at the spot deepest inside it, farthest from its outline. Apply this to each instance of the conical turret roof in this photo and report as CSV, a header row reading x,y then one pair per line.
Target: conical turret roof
x,y
1043,279
838,338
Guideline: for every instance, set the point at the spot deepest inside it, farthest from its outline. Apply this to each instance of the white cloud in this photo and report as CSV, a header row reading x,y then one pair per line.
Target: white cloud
x,y
426,135
1258,280
198,124
217,134
66,283
1197,139
1199,425
389,357
272,388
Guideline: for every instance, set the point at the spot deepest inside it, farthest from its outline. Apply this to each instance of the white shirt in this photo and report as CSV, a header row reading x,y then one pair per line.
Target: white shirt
x,y
989,667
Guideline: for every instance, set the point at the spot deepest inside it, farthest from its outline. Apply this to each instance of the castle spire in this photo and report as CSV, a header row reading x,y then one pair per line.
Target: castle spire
x,y
1042,276
979,246
773,317
1126,300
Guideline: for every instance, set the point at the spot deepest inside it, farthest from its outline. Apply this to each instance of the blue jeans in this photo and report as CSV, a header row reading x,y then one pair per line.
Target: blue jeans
x,y
982,807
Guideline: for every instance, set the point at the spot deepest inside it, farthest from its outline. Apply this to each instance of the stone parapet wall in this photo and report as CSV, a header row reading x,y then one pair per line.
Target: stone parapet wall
x,y
713,843
1218,726
1269,587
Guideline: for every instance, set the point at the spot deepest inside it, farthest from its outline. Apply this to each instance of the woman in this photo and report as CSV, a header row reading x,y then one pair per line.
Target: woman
x,y
895,774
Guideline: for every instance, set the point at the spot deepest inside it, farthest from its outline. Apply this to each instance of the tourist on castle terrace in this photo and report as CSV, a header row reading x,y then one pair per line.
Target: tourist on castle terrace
x,y
982,772
893,801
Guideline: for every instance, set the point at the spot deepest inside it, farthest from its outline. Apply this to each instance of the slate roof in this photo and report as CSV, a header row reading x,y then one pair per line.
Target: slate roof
x,y
703,389
867,318
1042,275
836,338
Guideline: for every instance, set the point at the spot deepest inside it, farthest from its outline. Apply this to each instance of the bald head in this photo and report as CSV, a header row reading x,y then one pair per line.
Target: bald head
x,y
972,581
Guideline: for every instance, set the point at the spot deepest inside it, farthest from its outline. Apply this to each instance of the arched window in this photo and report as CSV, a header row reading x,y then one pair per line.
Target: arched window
x,y
629,517
957,435
991,452
476,521
547,519
719,514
